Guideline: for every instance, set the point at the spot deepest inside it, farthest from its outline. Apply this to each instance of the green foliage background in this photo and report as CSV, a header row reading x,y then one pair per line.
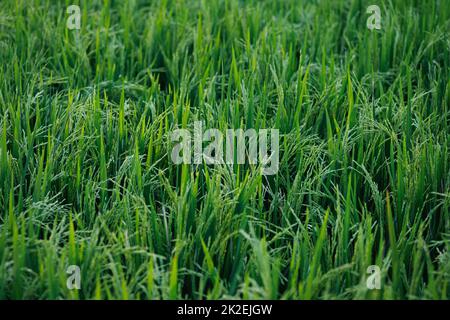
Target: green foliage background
x,y
85,170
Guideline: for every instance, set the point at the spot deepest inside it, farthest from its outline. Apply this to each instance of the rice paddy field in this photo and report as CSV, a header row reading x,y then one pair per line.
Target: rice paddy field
x,y
86,177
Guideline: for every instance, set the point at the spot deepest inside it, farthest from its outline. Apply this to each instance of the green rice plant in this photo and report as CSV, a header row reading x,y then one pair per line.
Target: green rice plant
x,y
87,178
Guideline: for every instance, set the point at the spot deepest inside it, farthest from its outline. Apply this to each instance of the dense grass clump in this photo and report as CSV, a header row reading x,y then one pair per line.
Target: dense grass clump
x,y
86,176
